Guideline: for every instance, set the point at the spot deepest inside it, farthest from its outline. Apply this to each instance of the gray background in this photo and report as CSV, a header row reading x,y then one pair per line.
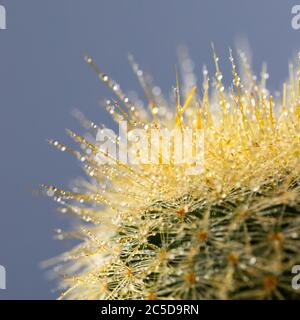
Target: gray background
x,y
43,77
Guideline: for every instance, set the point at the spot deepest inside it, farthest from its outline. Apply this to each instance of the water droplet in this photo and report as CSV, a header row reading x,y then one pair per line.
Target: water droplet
x,y
50,193
88,59
219,76
294,235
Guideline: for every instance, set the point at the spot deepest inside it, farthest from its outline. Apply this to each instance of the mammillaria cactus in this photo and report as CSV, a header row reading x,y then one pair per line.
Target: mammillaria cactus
x,y
154,231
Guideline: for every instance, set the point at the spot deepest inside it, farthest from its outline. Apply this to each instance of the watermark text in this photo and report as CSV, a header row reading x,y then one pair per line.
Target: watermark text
x,y
295,22
2,18
2,278
155,146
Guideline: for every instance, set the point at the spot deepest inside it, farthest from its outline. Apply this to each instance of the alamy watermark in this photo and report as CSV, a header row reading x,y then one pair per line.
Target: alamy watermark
x,y
2,278
2,17
295,22
296,278
154,146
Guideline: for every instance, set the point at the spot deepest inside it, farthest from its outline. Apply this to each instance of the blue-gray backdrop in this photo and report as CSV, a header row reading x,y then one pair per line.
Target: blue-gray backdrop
x,y
43,77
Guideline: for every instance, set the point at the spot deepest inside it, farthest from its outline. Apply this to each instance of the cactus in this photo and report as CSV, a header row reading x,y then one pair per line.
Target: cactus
x,y
152,231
